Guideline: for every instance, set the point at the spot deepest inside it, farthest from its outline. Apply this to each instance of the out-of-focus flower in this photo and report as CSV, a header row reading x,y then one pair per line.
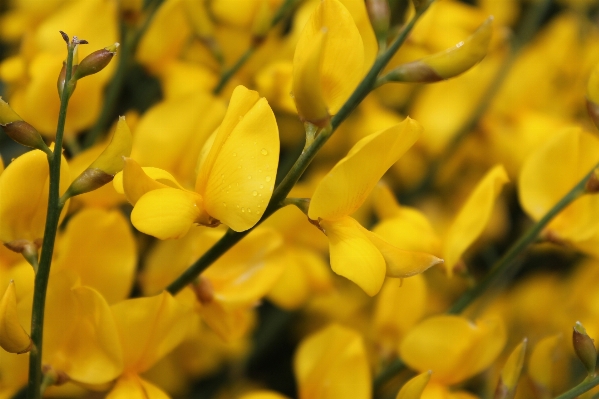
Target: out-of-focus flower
x,y
541,362
234,182
510,374
356,253
578,152
13,337
453,347
413,388
148,329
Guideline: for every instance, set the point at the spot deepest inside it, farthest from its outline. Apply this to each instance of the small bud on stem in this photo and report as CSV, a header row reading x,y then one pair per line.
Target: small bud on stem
x,y
584,348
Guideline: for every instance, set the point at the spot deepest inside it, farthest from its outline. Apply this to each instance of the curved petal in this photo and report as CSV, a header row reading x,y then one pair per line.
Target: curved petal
x,y
131,386
347,185
413,388
541,360
166,213
342,63
353,255
326,359
135,181
240,181
473,216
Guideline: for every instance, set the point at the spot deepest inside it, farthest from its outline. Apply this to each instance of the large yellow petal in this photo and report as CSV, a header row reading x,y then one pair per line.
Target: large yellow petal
x,y
543,181
241,179
166,213
347,185
342,63
149,328
131,386
453,347
542,359
106,237
332,364
473,216
413,388
353,255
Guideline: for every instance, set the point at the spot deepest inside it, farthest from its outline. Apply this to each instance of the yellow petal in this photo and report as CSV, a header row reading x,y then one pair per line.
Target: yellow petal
x,y
413,388
111,159
229,322
402,263
353,255
342,62
135,181
473,217
577,152
263,395
166,213
24,196
513,367
241,167
13,337
106,235
347,185
326,359
452,347
542,359
131,386
149,328
593,86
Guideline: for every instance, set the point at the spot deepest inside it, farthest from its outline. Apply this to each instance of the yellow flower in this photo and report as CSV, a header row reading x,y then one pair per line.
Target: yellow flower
x,y
541,362
235,180
453,347
148,329
413,388
328,63
578,152
24,196
13,337
356,253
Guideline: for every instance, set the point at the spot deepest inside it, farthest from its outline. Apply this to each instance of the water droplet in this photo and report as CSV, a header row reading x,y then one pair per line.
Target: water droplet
x,y
239,167
259,206
261,185
237,184
242,210
257,212
249,177
264,152
254,193
267,178
234,154
224,204
237,206
254,143
260,195
229,186
259,170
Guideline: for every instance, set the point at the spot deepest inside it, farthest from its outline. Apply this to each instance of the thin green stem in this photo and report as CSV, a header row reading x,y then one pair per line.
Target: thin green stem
x,y
229,73
284,187
130,40
529,25
579,389
501,268
52,219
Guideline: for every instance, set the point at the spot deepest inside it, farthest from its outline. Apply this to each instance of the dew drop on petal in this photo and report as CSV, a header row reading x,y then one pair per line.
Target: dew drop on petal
x,y
267,178
249,177
234,154
254,193
264,151
243,210
261,185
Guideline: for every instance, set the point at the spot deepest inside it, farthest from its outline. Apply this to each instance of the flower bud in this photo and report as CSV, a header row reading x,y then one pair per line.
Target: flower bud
x,y
26,248
62,76
108,164
13,337
380,17
95,62
413,389
584,348
19,130
449,63
506,388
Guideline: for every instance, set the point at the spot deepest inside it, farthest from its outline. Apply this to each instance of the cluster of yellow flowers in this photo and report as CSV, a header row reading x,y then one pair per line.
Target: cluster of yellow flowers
x,y
266,199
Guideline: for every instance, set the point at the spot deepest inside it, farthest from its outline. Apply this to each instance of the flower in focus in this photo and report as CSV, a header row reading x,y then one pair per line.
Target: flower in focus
x,y
356,253
235,177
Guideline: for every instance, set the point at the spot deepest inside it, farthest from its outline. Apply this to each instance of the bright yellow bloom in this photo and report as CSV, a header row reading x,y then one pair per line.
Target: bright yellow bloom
x,y
453,347
541,362
24,196
473,216
148,328
235,180
413,388
510,374
328,62
356,253
578,152
13,337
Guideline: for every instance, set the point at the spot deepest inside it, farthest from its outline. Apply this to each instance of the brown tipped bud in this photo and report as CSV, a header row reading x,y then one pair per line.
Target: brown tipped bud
x,y
592,185
61,82
204,290
65,37
19,130
380,17
584,348
262,21
95,62
91,179
28,249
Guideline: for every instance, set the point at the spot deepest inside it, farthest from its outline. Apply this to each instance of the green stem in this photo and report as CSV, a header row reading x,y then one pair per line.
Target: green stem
x,y
284,187
502,267
52,219
528,27
229,73
130,40
579,389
